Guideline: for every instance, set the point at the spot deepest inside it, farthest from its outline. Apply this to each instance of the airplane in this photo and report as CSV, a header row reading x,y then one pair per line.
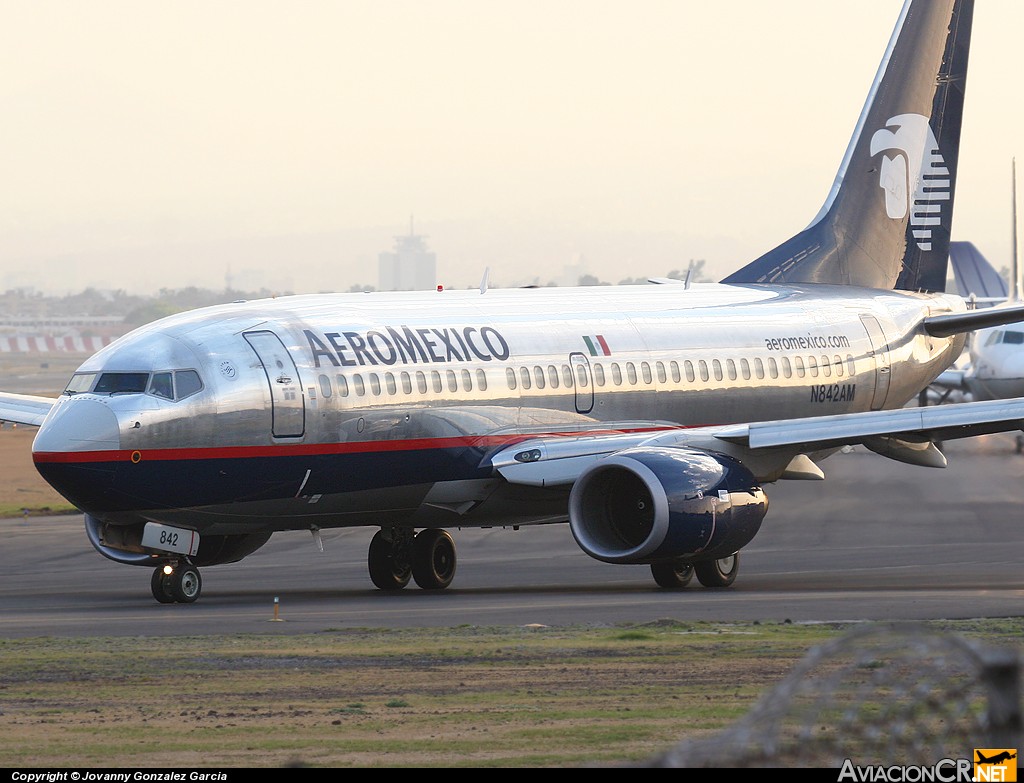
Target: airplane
x,y
649,418
1003,756
995,365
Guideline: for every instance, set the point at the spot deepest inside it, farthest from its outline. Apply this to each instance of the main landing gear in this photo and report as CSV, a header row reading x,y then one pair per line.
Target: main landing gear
x,y
398,554
176,583
710,573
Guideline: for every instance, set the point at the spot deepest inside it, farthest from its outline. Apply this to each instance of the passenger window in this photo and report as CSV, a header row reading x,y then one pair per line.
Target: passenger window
x,y
453,383
787,368
838,362
645,372
160,385
375,383
421,382
524,376
435,381
730,369
342,385
616,374
800,371
325,387
481,380
406,383
813,365
826,368
552,376
851,365
538,374
690,377
745,369
598,375
759,368
467,381
631,373
357,382
389,379
703,367
659,367
566,376
510,378
676,377
716,365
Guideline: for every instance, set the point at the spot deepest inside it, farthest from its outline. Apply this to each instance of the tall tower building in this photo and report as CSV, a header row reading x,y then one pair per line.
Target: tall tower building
x,y
409,267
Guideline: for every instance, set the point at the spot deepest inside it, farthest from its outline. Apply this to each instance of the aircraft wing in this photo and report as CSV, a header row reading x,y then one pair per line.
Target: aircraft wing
x,y
24,408
905,434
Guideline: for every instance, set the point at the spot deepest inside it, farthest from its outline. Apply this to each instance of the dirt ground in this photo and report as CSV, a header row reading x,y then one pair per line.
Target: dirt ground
x,y
22,487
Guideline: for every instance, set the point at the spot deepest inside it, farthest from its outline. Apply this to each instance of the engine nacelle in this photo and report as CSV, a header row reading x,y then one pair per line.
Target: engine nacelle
x,y
650,504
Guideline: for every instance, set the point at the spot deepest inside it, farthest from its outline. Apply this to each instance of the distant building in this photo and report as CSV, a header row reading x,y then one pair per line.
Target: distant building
x,y
409,267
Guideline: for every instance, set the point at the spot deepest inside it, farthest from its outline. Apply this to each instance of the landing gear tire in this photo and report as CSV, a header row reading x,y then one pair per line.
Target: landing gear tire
x,y
183,585
672,574
186,584
433,559
389,567
718,573
160,584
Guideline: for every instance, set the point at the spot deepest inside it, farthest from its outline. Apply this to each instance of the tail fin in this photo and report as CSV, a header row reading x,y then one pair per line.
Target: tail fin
x,y
974,275
886,221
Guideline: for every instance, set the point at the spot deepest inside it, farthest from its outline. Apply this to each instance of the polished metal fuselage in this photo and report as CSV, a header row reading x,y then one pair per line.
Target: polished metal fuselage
x,y
382,408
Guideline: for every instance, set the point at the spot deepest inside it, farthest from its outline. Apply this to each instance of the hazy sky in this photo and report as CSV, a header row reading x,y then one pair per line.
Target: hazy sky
x,y
148,145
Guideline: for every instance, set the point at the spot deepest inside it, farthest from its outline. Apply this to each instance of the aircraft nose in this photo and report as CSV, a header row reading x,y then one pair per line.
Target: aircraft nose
x,y
78,424
1013,367
75,450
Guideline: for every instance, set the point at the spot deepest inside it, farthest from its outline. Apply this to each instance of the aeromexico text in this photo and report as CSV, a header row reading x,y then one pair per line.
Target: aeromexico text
x,y
408,345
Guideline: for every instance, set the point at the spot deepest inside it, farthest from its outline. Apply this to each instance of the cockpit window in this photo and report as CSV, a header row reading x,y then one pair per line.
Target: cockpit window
x,y
80,382
167,385
1016,338
187,383
160,385
121,382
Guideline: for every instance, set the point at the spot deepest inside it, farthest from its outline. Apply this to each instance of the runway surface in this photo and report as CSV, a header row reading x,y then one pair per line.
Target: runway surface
x,y
877,540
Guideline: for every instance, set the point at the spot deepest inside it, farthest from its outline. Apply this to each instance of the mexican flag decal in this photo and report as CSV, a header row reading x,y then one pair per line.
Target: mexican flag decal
x,y
597,346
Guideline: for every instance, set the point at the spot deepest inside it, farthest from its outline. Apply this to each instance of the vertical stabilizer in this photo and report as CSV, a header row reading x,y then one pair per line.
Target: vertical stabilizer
x,y
886,221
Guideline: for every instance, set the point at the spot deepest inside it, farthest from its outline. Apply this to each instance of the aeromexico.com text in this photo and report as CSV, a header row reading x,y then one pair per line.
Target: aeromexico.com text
x,y
807,342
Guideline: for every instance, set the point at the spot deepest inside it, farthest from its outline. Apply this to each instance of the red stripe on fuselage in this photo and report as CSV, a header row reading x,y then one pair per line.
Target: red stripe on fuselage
x,y
303,449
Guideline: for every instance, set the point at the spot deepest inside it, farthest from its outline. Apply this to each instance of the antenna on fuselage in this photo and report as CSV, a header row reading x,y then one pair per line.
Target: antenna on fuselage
x,y
483,280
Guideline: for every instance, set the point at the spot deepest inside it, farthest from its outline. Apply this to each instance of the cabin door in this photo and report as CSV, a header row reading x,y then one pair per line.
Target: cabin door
x,y
583,381
287,411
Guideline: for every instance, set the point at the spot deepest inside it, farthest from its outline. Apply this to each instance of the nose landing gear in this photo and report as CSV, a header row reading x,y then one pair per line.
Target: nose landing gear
x,y
176,583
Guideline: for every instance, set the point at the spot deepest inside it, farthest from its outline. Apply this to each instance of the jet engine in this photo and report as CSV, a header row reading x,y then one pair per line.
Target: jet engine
x,y
651,504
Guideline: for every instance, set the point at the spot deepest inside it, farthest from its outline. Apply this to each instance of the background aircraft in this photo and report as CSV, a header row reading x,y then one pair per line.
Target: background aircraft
x,y
647,417
994,366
